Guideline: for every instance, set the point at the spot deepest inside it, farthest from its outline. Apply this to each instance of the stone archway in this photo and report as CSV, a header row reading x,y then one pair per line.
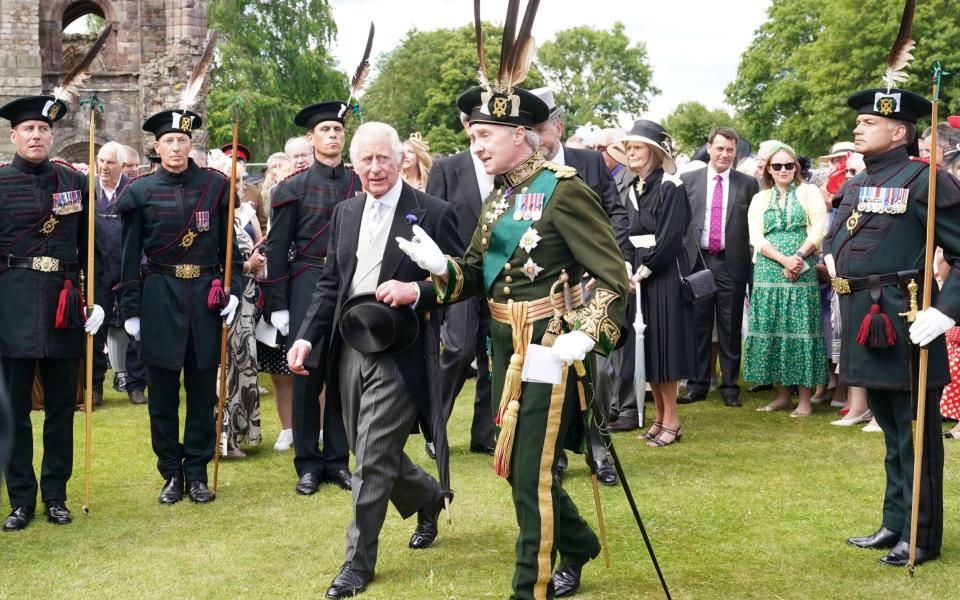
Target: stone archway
x,y
56,15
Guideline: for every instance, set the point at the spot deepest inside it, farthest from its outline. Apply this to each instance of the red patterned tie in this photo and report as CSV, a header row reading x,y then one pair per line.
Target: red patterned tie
x,y
716,217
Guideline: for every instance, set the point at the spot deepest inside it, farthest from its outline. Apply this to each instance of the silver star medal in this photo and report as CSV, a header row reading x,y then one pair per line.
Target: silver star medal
x,y
530,240
531,269
499,208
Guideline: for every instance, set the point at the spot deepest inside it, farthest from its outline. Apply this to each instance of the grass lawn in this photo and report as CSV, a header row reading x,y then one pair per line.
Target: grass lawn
x,y
748,505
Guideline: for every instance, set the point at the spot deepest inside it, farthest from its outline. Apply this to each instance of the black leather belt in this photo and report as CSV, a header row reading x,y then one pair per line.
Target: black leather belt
x,y
45,264
848,285
313,261
183,271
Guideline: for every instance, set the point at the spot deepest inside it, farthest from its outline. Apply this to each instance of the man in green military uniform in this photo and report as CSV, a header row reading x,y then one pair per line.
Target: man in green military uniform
x,y
43,235
177,218
875,249
541,226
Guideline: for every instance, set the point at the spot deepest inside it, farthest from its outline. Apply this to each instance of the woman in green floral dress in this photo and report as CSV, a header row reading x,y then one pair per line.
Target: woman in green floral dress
x,y
787,222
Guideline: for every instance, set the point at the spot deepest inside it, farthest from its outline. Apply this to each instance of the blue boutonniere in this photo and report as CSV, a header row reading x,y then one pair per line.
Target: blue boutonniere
x,y
411,218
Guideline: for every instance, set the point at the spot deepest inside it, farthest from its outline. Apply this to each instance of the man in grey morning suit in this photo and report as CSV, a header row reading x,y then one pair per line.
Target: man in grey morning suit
x,y
383,396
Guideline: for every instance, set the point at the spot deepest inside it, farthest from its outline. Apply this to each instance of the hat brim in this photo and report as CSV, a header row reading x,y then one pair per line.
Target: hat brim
x,y
618,152
954,122
396,329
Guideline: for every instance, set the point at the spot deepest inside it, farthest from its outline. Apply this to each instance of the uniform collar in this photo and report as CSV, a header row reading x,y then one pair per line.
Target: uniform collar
x,y
328,171
525,169
889,158
179,178
25,166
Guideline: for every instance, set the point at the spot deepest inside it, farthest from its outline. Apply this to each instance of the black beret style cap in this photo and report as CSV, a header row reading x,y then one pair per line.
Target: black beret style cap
x,y
894,104
243,152
522,109
322,111
33,108
173,121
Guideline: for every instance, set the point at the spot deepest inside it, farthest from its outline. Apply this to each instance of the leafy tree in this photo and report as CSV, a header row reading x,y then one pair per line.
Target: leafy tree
x,y
793,80
273,57
690,123
417,83
597,74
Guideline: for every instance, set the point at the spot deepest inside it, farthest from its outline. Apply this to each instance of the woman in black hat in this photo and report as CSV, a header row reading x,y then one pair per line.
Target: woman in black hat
x,y
659,213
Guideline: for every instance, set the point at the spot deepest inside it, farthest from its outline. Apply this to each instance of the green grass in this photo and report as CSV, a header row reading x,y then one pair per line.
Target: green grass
x,y
748,505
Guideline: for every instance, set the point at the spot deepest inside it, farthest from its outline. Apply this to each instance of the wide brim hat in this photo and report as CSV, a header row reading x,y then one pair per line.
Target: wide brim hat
x,y
33,108
519,109
892,104
649,133
838,150
243,152
374,328
173,121
320,112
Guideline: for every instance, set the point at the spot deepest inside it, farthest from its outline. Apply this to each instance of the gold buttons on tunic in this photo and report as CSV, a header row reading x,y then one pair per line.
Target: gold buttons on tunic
x,y
507,267
483,228
483,241
506,290
509,279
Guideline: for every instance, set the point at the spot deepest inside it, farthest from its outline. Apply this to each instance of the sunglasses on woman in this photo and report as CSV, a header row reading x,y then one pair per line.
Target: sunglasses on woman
x,y
784,166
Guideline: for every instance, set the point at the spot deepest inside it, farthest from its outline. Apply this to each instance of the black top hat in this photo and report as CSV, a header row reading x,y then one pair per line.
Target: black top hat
x,y
33,108
372,327
243,152
520,109
893,104
173,121
322,111
650,133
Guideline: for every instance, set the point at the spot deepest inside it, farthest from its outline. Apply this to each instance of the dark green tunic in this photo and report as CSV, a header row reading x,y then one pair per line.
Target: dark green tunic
x,y
160,211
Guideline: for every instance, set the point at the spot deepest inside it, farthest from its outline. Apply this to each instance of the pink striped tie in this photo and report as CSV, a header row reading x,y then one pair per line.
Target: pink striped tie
x,y
716,217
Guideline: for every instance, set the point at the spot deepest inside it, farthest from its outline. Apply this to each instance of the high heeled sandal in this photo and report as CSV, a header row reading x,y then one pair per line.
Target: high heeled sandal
x,y
650,434
660,442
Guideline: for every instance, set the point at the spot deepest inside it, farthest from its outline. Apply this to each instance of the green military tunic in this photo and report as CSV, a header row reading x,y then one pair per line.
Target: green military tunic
x,y
566,231
879,232
43,238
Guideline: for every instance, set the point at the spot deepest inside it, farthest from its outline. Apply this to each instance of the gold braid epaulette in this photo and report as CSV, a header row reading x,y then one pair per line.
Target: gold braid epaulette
x,y
562,172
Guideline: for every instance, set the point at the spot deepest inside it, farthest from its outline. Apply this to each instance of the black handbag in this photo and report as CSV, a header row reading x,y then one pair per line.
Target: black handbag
x,y
698,285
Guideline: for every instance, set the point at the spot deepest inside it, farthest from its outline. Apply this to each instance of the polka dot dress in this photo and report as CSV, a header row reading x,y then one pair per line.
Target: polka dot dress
x,y
272,360
950,400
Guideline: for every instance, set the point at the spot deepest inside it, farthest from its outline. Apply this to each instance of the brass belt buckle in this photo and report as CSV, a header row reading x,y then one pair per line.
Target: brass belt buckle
x,y
187,271
46,264
841,285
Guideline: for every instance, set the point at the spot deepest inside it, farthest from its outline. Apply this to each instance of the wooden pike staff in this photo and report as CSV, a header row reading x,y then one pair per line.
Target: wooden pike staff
x,y
920,423
88,363
225,329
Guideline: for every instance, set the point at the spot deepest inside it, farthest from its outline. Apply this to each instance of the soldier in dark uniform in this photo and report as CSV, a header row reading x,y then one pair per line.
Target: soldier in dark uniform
x,y
875,249
177,217
43,238
301,206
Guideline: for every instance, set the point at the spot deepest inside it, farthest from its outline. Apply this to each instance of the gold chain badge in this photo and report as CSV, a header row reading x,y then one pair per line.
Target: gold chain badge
x,y
187,240
853,220
49,226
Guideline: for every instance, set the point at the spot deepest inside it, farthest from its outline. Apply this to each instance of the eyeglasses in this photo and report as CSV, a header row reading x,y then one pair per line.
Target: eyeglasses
x,y
784,166
851,172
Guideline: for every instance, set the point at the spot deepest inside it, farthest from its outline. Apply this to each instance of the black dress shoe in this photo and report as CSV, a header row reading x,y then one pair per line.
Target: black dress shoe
x,y
172,490
566,580
900,555
482,449
733,401
605,473
342,479
137,397
349,582
622,424
427,517
691,397
428,448
308,484
199,492
58,513
760,387
18,519
881,539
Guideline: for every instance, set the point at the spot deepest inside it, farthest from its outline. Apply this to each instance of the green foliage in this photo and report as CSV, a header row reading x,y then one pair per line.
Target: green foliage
x,y
793,80
597,74
417,83
690,123
273,57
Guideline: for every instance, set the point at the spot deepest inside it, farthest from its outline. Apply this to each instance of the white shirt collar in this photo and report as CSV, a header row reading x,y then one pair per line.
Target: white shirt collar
x,y
391,198
560,158
711,174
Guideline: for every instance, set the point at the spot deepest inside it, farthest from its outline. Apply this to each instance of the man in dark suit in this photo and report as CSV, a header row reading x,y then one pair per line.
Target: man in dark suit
x,y
461,181
719,196
130,374
593,171
383,396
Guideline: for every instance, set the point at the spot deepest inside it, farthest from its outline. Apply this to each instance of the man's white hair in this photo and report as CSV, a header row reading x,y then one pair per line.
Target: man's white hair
x,y
114,148
533,140
375,129
299,139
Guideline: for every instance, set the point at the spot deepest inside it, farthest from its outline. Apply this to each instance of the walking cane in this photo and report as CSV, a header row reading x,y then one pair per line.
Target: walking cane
x,y
225,328
920,422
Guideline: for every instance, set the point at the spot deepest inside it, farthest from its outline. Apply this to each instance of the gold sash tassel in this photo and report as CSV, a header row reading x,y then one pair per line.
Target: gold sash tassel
x,y
509,409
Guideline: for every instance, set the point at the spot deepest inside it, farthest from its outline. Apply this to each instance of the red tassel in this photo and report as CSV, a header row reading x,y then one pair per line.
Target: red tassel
x,y
71,311
876,329
217,299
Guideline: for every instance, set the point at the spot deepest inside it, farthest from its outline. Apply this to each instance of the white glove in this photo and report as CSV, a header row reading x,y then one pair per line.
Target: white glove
x,y
831,265
132,326
424,251
642,273
281,320
231,309
930,325
572,346
94,319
